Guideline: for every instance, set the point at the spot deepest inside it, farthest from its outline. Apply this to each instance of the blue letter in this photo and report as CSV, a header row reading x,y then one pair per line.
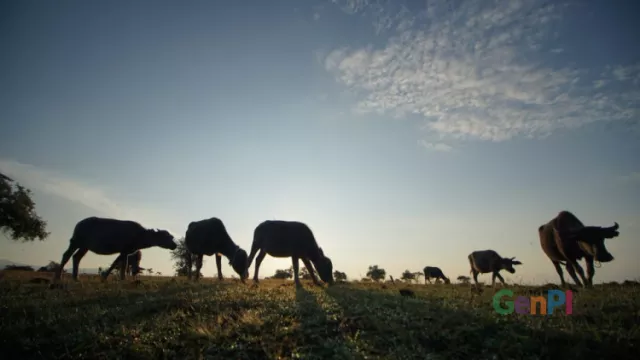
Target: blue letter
x,y
552,302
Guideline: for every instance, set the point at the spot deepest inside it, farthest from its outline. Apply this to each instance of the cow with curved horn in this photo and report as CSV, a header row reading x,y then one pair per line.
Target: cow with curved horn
x,y
565,240
209,237
293,239
489,261
110,236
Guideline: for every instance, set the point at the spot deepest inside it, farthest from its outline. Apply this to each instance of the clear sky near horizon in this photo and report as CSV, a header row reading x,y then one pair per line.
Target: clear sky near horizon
x,y
403,133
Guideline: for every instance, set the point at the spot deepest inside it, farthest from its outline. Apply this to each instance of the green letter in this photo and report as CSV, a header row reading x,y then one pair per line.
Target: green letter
x,y
496,302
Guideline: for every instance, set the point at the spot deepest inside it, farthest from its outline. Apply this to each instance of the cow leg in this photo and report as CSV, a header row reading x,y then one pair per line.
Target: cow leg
x,y
296,278
198,265
123,268
556,264
188,262
219,266
259,259
493,279
76,262
572,273
500,278
580,273
475,276
119,259
65,258
591,270
307,264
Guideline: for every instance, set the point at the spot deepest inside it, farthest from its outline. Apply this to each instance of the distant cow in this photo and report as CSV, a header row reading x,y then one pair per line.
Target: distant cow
x,y
565,240
209,237
489,261
290,239
110,236
435,273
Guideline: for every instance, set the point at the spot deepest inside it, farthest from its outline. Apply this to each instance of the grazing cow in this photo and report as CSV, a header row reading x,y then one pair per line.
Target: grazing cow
x,y
565,240
489,261
110,236
434,272
209,237
290,239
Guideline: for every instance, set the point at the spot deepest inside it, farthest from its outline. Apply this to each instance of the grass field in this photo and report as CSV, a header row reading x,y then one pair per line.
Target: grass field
x,y
163,317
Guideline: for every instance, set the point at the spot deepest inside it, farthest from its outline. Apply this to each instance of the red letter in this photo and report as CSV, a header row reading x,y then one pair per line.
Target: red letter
x,y
569,302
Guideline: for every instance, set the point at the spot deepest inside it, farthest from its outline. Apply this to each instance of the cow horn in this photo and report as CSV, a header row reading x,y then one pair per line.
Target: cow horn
x,y
615,226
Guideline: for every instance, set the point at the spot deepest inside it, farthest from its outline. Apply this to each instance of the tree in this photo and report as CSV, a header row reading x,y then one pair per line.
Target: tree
x,y
304,273
180,255
283,274
418,275
375,273
464,279
18,216
150,271
18,267
51,267
408,276
339,276
158,273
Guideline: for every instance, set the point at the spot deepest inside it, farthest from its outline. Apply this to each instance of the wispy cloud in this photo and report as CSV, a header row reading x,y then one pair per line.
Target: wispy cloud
x,y
634,177
435,146
478,71
79,192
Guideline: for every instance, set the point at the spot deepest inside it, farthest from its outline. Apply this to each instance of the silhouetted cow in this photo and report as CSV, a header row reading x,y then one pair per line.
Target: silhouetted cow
x,y
434,272
110,236
290,239
565,240
489,261
209,237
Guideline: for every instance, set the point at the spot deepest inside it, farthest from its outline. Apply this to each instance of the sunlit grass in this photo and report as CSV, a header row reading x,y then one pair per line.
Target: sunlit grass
x,y
163,317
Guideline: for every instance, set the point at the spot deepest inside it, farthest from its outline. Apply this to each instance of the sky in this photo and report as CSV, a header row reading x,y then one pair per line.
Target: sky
x,y
405,134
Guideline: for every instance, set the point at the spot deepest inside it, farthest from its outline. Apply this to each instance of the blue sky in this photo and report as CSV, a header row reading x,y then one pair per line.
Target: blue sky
x,y
404,134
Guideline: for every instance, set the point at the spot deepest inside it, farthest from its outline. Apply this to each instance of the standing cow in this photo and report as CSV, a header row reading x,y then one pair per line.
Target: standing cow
x,y
110,236
489,261
290,239
209,237
435,273
565,240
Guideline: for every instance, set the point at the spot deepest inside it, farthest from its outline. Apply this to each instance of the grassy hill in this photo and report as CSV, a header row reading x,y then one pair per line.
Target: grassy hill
x,y
163,317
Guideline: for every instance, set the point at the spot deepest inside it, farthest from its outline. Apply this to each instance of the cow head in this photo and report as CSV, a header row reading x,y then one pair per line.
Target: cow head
x,y
239,264
447,281
507,264
591,240
324,266
162,238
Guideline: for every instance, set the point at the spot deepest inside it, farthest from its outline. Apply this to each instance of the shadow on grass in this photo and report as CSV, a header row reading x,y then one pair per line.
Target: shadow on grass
x,y
74,325
396,327
320,335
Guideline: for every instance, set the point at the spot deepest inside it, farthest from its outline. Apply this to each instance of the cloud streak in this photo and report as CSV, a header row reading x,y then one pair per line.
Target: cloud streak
x,y
634,177
93,197
479,71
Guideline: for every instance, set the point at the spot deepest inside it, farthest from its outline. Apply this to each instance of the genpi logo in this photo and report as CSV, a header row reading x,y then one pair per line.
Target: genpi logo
x,y
529,304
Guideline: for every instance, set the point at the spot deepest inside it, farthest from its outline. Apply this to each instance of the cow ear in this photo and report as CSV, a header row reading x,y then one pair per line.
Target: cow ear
x,y
516,262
